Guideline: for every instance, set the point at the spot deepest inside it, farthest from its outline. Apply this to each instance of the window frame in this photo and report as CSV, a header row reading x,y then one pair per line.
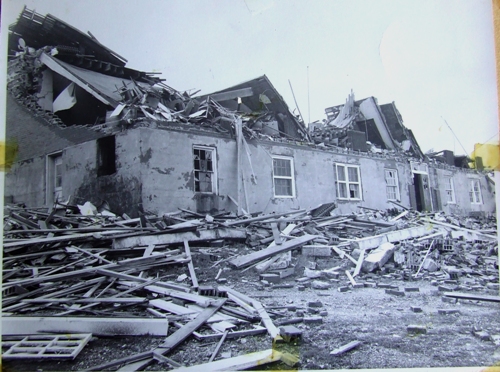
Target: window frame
x,y
472,192
213,150
450,191
395,186
347,182
291,177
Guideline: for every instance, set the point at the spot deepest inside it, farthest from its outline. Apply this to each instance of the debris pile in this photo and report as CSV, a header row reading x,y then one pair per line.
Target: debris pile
x,y
84,270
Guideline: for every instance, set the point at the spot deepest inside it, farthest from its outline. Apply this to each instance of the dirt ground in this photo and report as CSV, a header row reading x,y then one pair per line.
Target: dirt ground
x,y
377,319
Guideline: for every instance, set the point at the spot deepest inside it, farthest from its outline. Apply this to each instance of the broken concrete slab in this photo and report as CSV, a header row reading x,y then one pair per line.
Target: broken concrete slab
x,y
378,257
393,236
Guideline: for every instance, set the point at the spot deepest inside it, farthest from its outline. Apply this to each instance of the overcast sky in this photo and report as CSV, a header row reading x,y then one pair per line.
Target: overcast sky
x,y
434,59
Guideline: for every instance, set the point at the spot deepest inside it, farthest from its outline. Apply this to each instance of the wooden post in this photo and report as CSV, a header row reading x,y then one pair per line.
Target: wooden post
x,y
238,124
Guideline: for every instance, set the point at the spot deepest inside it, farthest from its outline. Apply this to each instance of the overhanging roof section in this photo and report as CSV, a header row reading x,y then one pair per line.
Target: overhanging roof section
x,y
40,31
103,87
258,95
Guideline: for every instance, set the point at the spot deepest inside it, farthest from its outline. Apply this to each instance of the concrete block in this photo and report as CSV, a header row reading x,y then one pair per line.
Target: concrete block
x,y
443,288
359,285
285,273
312,310
299,313
270,278
313,320
416,309
370,285
290,331
450,300
323,313
389,286
395,292
317,284
343,289
412,289
483,335
317,250
448,311
378,257
416,329
315,304
301,288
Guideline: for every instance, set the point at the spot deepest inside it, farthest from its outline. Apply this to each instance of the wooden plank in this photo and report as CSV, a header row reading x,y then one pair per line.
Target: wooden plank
x,y
266,319
349,276
192,273
257,330
343,254
489,237
171,307
26,325
347,347
163,359
169,343
238,363
474,297
137,366
179,237
261,218
359,263
249,309
135,300
219,344
265,253
58,239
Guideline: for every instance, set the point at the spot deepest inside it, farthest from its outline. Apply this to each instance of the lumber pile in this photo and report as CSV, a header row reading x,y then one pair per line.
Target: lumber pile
x,y
84,270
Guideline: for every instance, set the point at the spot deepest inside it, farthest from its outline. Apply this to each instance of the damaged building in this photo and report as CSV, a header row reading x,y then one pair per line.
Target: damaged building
x,y
88,128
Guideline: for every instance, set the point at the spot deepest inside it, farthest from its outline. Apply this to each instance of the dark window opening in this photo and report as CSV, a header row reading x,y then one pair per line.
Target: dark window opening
x,y
106,156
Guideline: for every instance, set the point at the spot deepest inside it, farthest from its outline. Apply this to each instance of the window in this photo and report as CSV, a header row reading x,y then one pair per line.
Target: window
x,y
283,177
106,158
392,184
450,191
348,182
204,169
475,192
54,178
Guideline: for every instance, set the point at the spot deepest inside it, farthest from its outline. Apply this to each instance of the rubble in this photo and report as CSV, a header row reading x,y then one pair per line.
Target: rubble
x,y
72,263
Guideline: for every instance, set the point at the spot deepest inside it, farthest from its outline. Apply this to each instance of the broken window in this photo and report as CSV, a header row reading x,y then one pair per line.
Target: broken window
x,y
392,184
283,177
204,169
348,182
450,191
475,192
106,156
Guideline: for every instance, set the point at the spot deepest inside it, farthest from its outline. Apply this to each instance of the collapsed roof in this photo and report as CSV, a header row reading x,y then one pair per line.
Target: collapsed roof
x,y
356,123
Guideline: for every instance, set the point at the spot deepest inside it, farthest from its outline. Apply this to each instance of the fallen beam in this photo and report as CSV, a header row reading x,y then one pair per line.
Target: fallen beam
x,y
179,237
393,236
347,347
265,253
468,296
262,218
26,325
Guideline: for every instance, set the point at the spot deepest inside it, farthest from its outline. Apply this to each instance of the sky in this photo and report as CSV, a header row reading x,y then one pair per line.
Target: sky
x,y
434,59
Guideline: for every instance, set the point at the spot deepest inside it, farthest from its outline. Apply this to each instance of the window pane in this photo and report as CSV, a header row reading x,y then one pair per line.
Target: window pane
x,y
283,187
341,173
391,193
205,181
343,190
282,167
354,191
353,174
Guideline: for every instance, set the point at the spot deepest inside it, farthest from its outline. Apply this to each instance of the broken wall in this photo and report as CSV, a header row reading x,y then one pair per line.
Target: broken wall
x,y
121,190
